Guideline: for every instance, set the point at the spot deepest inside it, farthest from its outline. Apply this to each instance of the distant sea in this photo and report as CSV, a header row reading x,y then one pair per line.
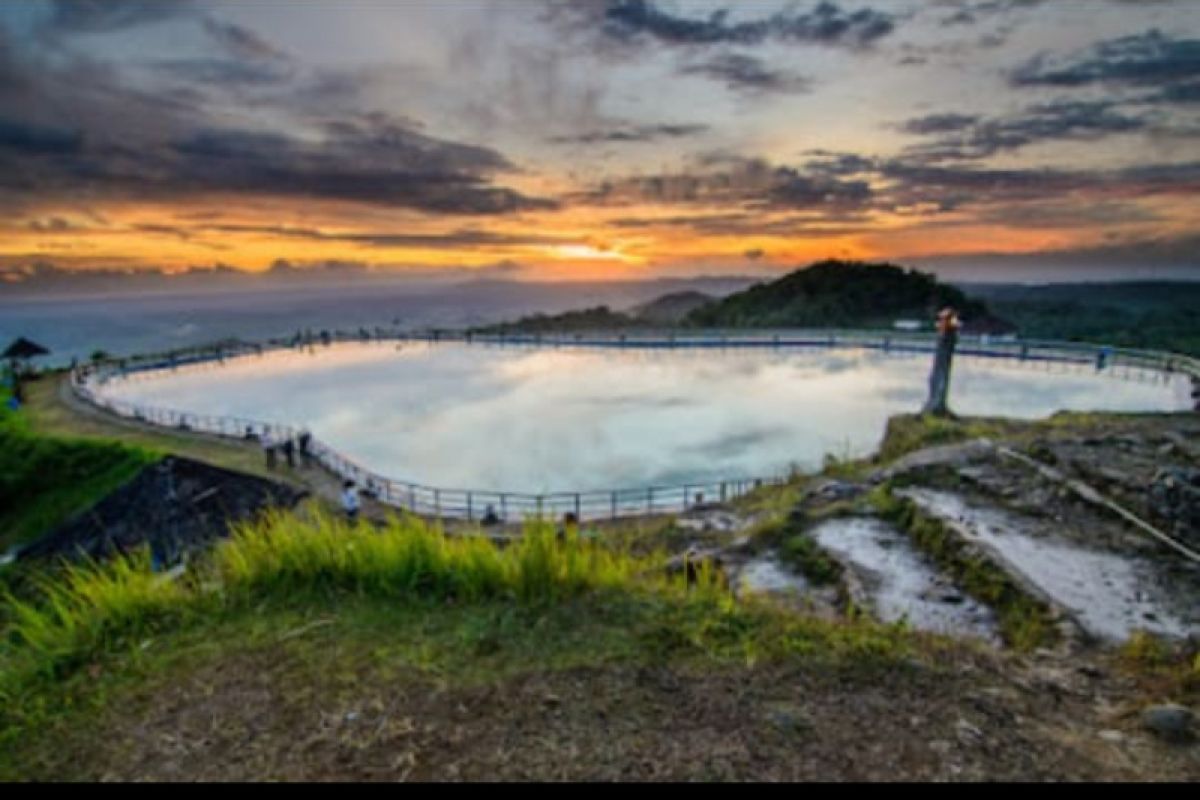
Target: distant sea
x,y
127,323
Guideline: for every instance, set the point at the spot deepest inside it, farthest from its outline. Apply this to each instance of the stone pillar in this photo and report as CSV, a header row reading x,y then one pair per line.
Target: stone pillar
x,y
939,377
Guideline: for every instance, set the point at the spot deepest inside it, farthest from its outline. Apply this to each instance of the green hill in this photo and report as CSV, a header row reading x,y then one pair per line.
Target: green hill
x,y
844,294
45,480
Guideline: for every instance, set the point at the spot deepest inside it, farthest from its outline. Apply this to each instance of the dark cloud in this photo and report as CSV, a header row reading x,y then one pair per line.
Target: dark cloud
x,y
953,187
356,161
749,74
365,160
631,134
968,13
960,136
94,16
825,162
630,21
742,224
939,123
732,180
32,139
71,125
1146,59
1179,93
456,239
224,72
249,60
242,43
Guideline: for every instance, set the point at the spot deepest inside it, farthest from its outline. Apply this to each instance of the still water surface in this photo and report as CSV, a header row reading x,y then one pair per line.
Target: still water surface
x,y
546,419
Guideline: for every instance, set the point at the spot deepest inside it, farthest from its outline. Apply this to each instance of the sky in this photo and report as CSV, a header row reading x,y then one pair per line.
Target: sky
x,y
594,139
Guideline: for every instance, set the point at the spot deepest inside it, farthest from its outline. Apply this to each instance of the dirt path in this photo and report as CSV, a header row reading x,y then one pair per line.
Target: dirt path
x,y
254,716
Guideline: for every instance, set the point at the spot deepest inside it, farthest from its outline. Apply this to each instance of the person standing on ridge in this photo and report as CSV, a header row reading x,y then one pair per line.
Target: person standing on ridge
x,y
304,440
939,378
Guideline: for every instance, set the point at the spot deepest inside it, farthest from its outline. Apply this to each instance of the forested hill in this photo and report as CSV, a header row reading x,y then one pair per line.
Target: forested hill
x,y
844,293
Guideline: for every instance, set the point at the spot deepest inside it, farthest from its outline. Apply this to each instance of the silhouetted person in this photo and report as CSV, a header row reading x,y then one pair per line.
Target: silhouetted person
x,y
268,446
939,378
489,516
305,441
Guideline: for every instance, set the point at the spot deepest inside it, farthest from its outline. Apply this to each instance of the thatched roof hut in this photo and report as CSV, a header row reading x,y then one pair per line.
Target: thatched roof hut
x,y
24,349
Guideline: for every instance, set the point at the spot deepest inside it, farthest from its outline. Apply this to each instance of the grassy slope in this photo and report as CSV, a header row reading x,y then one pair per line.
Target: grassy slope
x,y
45,480
48,415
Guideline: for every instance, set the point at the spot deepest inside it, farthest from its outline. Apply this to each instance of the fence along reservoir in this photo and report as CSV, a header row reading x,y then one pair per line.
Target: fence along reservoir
x,y
565,418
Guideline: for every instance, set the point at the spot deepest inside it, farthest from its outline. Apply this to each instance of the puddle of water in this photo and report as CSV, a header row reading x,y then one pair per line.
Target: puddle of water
x,y
901,582
1109,595
767,574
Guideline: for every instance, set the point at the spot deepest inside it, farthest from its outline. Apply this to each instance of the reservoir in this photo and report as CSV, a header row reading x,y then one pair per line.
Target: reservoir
x,y
543,419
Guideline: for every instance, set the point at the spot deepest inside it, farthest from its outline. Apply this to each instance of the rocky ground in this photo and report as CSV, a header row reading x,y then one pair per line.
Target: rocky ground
x,y
180,504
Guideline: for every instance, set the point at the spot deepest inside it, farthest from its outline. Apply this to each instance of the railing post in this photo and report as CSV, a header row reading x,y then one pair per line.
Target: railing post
x,y
577,506
650,500
437,503
722,491
614,505
470,511
539,506
504,507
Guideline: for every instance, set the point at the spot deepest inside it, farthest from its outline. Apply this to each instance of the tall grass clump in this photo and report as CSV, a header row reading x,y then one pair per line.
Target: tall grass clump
x,y
88,607
91,607
408,558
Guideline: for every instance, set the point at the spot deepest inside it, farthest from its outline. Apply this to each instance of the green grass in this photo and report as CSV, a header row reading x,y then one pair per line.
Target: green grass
x,y
797,549
1025,623
451,606
907,433
45,480
1170,671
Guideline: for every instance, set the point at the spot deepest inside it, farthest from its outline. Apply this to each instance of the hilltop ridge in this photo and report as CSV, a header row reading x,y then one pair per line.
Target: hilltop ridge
x,y
846,294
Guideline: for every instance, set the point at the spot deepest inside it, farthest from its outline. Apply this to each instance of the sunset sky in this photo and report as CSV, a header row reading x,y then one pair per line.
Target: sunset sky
x,y
577,140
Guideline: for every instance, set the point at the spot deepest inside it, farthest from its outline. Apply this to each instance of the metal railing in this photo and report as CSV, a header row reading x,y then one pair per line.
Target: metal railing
x,y
473,504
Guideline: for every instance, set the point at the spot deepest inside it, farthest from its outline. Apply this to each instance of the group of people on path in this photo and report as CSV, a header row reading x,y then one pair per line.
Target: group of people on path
x,y
288,446
273,446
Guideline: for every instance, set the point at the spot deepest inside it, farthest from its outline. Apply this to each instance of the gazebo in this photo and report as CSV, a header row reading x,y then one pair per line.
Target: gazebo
x,y
21,351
